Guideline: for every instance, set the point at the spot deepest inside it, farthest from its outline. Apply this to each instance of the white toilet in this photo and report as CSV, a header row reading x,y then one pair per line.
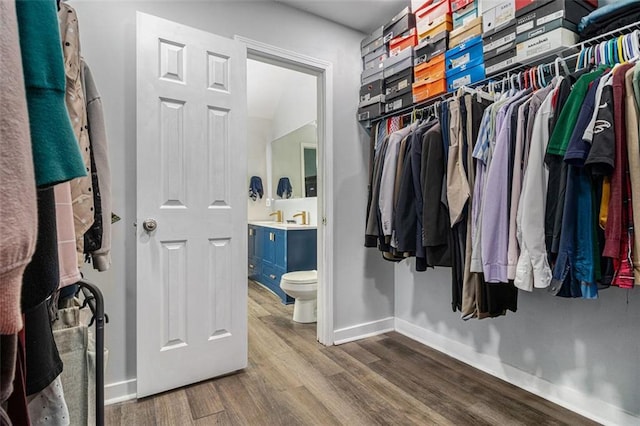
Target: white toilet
x,y
302,286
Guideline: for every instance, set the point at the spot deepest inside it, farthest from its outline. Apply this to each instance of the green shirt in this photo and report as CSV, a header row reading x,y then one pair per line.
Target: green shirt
x,y
56,154
567,120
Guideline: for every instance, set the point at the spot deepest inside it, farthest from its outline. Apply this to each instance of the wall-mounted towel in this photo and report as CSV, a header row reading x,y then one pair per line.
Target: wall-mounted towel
x,y
284,188
255,188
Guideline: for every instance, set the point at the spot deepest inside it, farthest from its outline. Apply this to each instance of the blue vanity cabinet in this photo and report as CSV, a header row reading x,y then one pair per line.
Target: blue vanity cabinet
x,y
255,252
281,251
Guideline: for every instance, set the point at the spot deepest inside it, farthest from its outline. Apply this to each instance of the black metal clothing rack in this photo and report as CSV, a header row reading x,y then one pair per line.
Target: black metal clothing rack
x,y
95,301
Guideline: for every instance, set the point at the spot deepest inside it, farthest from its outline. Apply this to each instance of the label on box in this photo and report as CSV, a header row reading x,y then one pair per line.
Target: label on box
x,y
524,27
403,84
365,98
455,63
363,116
501,65
462,81
504,13
504,40
559,14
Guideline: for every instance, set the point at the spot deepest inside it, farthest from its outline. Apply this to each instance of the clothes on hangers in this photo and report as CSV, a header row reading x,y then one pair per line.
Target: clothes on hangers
x,y
536,185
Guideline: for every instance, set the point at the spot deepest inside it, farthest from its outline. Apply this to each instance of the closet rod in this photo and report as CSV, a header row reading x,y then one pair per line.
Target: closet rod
x,y
627,29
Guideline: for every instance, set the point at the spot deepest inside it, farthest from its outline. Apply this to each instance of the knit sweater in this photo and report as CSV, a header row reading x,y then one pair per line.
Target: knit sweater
x,y
56,156
18,219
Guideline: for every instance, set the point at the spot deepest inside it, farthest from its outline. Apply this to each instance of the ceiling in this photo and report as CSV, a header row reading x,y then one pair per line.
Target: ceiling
x,y
363,16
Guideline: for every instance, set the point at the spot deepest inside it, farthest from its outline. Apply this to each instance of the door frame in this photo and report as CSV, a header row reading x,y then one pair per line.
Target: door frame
x,y
323,70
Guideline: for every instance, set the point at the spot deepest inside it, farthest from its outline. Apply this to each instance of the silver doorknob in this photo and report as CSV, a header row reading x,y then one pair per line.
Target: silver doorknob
x,y
150,225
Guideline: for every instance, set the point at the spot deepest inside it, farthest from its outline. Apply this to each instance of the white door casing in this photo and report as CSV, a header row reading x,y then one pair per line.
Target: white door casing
x,y
191,172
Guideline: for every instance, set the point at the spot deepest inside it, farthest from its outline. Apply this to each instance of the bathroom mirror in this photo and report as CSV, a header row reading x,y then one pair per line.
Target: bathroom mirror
x,y
294,156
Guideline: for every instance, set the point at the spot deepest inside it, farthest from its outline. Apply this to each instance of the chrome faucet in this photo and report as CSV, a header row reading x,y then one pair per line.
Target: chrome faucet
x,y
302,214
278,214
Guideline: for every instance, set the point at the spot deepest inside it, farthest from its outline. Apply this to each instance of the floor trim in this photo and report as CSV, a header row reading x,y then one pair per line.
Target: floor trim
x,y
120,392
569,398
362,331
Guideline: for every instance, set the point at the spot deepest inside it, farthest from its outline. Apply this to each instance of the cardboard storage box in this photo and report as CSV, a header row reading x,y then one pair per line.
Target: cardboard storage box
x,y
434,69
546,44
426,89
375,62
416,5
525,6
399,24
371,90
370,112
371,42
464,15
551,11
465,77
462,34
427,31
501,62
398,44
463,56
459,4
401,61
398,84
497,17
500,41
545,28
431,47
371,75
400,102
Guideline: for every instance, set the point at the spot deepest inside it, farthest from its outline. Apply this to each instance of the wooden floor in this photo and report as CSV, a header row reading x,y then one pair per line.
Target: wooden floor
x,y
386,380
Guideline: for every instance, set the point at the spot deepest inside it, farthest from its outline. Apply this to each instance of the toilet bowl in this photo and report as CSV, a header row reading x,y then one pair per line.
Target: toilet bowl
x,y
302,286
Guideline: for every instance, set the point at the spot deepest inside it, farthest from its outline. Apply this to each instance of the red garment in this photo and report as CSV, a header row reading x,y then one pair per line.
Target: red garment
x,y
616,228
623,276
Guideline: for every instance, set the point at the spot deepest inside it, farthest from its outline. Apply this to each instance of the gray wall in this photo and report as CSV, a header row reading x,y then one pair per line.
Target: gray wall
x,y
586,352
363,283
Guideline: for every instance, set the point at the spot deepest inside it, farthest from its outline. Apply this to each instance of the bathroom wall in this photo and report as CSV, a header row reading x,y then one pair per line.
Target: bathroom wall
x,y
258,136
296,205
582,354
363,284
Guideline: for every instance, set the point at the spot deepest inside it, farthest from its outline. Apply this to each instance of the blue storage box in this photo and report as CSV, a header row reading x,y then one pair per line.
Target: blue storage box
x,y
466,55
468,76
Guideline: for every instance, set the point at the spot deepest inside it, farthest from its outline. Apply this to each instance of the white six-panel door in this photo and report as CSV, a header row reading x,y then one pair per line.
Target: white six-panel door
x,y
191,183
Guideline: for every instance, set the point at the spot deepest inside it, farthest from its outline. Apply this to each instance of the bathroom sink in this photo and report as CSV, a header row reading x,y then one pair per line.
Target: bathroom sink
x,y
272,224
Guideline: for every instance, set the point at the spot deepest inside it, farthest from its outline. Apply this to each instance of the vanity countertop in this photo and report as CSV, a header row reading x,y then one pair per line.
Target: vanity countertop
x,y
285,226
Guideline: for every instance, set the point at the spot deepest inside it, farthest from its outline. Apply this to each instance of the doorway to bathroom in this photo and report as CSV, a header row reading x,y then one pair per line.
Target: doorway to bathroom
x,y
286,164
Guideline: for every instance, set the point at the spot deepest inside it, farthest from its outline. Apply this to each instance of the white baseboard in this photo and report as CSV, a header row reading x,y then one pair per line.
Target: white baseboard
x,y
361,331
120,392
569,398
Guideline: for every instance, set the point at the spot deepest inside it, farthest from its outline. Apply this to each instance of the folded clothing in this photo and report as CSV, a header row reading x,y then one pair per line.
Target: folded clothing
x,y
608,18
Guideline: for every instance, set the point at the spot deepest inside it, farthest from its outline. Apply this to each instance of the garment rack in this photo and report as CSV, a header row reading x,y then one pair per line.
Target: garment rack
x,y
567,54
95,301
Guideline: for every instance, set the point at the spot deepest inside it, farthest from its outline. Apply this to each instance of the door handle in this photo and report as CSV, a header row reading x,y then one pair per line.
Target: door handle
x,y
250,232
251,266
272,236
273,277
150,225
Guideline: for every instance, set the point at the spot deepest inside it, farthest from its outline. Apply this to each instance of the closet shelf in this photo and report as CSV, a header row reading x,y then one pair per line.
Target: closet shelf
x,y
568,54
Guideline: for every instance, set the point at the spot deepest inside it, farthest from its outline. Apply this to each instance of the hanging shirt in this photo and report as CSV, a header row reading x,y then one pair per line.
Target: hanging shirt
x,y
533,267
387,179
633,152
495,221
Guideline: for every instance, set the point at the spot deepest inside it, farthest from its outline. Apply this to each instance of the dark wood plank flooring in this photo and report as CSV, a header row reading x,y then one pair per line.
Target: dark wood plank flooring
x,y
383,380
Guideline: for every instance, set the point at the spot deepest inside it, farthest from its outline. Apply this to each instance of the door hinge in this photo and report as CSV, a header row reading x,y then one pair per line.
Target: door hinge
x,y
324,220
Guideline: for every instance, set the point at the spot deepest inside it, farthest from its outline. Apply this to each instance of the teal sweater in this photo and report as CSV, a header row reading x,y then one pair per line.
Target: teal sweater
x,y
56,154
